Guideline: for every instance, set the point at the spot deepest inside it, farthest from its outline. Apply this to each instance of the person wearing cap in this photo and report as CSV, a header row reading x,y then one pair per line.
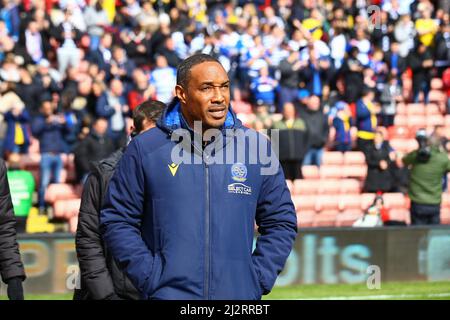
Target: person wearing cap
x,y
11,266
428,164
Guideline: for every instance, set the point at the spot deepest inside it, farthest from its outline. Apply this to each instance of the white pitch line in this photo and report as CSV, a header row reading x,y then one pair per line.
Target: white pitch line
x,y
386,296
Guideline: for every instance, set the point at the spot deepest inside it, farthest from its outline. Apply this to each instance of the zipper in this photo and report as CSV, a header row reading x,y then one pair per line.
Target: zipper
x,y
207,235
207,228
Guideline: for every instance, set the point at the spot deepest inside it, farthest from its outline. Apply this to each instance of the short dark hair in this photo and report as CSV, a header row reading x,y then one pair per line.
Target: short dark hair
x,y
184,68
150,110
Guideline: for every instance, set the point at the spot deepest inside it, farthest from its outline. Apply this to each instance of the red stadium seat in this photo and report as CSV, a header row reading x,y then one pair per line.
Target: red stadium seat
x,y
415,109
333,158
435,120
327,202
394,200
62,191
399,215
331,172
331,186
445,200
354,157
401,120
66,208
307,203
310,172
401,108
355,171
350,186
432,109
326,218
447,120
436,84
437,96
350,202
417,121
31,160
399,132
305,218
305,187
347,218
445,216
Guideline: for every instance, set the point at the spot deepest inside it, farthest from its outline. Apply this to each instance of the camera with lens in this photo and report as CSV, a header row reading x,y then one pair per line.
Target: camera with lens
x,y
424,151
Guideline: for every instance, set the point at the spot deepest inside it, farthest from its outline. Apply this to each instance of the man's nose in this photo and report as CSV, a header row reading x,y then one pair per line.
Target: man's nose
x,y
218,96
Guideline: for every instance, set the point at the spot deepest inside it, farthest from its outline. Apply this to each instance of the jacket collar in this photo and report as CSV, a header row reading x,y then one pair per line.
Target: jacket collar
x,y
173,119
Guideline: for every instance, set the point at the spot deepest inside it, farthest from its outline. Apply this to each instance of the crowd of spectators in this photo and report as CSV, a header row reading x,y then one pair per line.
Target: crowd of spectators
x,y
73,70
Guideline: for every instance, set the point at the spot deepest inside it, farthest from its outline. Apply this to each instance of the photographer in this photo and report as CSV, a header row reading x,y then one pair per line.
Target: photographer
x,y
428,165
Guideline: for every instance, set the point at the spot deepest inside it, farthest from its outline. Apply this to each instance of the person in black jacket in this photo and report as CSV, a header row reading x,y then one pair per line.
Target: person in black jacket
x,y
95,147
11,267
318,129
380,161
293,142
100,276
289,81
421,62
352,73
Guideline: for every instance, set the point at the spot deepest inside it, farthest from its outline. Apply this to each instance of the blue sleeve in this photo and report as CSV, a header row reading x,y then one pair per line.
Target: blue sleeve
x,y
121,218
103,109
9,117
336,123
362,111
37,126
25,116
277,224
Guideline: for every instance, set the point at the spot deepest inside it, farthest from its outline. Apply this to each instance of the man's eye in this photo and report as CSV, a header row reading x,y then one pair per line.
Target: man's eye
x,y
206,89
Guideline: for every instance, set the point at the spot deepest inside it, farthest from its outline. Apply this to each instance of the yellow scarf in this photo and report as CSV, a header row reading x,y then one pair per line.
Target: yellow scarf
x,y
19,138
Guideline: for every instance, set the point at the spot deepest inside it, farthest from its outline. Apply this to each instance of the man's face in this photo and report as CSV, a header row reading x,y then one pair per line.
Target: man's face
x,y
119,54
207,95
101,126
313,103
116,87
106,41
289,111
47,108
161,62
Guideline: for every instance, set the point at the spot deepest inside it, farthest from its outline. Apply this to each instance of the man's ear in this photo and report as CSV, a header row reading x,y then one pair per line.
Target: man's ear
x,y
180,93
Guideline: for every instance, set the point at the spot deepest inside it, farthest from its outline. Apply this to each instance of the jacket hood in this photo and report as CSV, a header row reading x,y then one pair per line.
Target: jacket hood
x,y
172,118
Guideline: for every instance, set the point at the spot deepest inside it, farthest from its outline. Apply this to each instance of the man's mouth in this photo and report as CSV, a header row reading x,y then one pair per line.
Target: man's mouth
x,y
217,113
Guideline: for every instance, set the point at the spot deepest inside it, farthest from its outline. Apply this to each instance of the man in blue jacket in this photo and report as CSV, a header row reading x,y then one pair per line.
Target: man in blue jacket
x,y
50,128
184,229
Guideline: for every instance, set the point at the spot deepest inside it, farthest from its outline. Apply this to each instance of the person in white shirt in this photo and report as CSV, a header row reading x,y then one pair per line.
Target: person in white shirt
x,y
163,80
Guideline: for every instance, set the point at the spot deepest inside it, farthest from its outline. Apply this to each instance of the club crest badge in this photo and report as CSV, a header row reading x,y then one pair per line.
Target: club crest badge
x,y
239,172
